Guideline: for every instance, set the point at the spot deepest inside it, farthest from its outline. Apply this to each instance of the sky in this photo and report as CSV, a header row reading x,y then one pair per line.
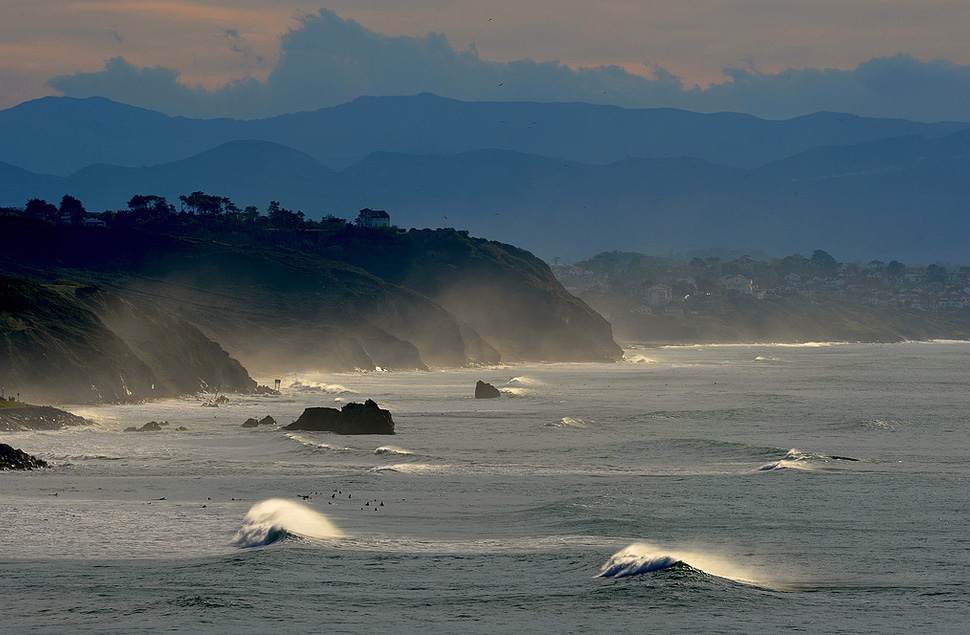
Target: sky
x,y
259,58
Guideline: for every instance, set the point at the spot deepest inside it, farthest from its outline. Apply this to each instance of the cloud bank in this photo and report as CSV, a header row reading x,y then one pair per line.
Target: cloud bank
x,y
327,61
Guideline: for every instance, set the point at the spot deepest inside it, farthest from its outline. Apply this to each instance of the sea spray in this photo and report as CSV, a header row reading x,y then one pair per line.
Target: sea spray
x,y
638,359
275,519
640,558
311,386
524,381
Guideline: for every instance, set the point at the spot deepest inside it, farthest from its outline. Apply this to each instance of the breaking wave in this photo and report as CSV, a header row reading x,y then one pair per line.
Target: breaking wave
x,y
517,392
640,558
410,468
524,381
390,449
795,459
276,519
567,422
309,386
639,359
310,443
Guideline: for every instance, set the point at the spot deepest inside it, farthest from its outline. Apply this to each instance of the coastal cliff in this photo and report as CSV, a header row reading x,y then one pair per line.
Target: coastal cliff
x,y
355,299
64,343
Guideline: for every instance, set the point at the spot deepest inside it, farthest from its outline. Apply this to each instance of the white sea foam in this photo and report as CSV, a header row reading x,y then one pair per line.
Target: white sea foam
x,y
411,468
639,359
275,519
524,381
390,449
785,464
517,392
314,387
640,558
762,344
568,422
313,444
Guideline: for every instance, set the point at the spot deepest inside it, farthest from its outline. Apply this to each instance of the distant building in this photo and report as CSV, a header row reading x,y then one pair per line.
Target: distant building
x,y
740,284
373,218
658,294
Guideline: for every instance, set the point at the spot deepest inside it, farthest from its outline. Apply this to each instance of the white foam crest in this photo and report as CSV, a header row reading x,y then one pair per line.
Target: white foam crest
x,y
410,468
762,344
798,455
311,386
639,359
518,392
390,449
762,358
523,380
641,558
313,444
71,458
788,464
567,422
274,519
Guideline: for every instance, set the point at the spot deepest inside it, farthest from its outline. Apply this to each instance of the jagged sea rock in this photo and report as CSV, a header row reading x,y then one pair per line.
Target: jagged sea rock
x,y
252,422
151,426
353,418
486,391
14,459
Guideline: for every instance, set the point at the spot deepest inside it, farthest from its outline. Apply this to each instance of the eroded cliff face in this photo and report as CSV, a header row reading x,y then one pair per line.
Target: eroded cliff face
x,y
53,349
505,294
62,343
183,359
358,300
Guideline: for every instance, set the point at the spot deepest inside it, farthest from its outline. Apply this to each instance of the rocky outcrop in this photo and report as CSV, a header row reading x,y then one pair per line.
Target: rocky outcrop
x,y
151,426
353,418
253,423
16,417
486,391
13,459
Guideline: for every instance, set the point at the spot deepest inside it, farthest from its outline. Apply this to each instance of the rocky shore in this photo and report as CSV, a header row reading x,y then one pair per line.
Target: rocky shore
x,y
17,417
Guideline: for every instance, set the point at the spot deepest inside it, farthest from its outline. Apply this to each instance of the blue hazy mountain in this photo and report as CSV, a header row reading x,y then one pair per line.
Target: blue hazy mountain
x,y
903,197
60,135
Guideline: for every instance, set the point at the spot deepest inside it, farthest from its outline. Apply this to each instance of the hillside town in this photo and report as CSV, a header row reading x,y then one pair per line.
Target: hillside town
x,y
663,285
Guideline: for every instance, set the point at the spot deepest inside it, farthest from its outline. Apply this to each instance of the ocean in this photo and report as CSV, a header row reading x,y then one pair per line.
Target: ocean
x,y
732,489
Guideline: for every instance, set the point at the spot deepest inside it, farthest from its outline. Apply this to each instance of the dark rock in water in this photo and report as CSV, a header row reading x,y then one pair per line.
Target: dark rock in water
x,y
265,421
353,418
151,426
486,391
13,459
181,429
17,416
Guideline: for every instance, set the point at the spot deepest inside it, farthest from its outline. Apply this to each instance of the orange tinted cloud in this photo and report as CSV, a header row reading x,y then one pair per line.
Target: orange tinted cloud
x,y
267,19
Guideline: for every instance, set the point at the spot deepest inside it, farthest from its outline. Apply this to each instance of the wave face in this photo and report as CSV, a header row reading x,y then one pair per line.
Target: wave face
x,y
640,558
276,519
524,381
795,459
390,449
633,561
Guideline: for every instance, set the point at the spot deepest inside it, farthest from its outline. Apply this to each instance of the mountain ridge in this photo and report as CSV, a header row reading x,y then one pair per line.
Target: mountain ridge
x,y
60,135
